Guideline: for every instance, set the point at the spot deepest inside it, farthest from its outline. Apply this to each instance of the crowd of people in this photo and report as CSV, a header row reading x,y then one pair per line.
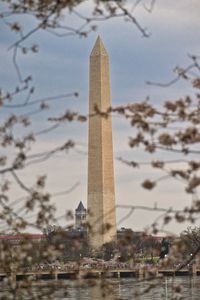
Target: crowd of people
x,y
76,266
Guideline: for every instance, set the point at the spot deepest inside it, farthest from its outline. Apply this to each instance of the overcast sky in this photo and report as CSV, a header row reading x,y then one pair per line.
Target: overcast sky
x,y
62,66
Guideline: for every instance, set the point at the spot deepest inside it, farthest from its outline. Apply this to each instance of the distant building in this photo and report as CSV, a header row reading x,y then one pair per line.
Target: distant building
x,y
17,239
80,216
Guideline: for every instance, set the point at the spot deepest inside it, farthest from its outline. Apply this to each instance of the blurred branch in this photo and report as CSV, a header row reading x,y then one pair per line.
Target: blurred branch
x,y
41,101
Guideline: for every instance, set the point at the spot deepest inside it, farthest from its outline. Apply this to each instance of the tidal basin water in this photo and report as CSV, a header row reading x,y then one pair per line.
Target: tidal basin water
x,y
124,289
127,288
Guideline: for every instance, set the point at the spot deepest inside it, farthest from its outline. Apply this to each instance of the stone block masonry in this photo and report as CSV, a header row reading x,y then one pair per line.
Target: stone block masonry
x,y
101,190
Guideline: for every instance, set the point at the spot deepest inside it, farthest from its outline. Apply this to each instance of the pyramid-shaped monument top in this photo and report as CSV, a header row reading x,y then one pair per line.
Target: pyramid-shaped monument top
x,y
99,48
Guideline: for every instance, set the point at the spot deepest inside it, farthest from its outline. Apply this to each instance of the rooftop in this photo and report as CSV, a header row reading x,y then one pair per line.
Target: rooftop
x,y
80,207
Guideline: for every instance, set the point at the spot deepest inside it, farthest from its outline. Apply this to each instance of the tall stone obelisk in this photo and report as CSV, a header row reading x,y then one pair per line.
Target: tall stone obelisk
x,y
101,191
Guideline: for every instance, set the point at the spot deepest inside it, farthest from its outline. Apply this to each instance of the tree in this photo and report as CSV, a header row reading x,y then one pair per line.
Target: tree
x,y
34,208
164,248
190,239
174,129
154,127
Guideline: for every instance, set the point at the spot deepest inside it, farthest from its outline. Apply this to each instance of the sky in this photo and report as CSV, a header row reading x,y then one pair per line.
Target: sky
x,y
62,66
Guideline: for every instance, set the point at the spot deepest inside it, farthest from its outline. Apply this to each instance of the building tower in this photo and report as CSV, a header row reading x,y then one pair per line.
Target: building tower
x,y
101,192
80,216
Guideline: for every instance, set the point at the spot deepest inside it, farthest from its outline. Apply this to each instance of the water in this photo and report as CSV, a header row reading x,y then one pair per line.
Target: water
x,y
167,288
124,289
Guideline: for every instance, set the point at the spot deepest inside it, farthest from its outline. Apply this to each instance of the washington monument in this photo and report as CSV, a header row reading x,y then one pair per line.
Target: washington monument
x,y
101,191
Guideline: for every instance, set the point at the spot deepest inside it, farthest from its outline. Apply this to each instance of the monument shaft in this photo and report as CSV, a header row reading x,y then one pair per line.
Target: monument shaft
x,y
101,192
